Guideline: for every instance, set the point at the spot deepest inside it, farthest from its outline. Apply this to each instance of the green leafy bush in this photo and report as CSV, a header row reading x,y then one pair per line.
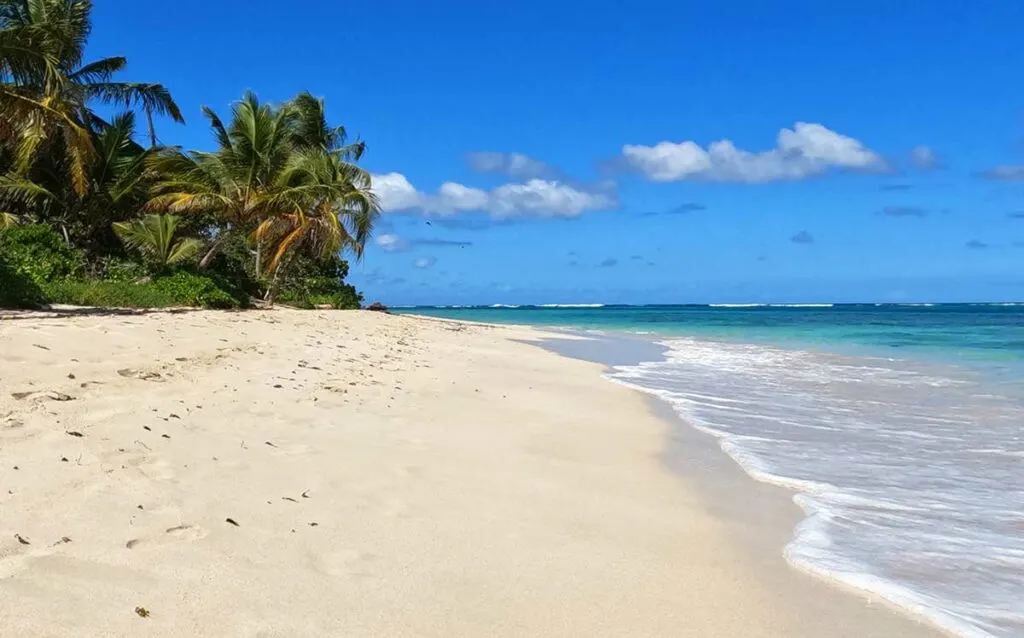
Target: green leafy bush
x,y
116,269
39,253
182,288
234,263
318,282
17,290
193,289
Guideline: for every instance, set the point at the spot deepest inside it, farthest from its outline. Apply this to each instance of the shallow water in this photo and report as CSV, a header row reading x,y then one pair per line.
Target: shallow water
x,y
900,428
912,475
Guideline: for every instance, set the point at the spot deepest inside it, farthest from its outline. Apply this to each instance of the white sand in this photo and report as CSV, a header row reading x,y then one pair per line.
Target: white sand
x,y
389,476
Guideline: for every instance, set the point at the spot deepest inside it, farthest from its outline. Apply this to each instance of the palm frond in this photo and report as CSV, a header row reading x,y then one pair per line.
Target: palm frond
x,y
8,220
219,131
20,190
153,236
99,71
184,250
154,98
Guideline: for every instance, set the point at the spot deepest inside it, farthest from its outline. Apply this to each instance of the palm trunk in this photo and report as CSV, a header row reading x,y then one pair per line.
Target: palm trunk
x,y
210,254
272,289
152,129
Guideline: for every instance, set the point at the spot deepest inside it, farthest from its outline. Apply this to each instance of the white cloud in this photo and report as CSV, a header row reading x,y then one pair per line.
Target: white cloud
x,y
425,262
533,198
514,165
803,151
391,243
924,158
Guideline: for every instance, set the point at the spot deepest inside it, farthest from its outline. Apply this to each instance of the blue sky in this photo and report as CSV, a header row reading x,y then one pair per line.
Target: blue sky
x,y
642,152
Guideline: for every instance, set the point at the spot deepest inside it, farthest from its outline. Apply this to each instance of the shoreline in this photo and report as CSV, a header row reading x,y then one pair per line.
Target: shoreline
x,y
762,516
317,473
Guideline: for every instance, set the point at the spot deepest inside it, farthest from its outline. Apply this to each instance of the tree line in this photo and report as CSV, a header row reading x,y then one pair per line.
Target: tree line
x,y
267,214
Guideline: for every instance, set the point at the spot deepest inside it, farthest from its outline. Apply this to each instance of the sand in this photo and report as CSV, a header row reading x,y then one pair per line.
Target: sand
x,y
287,473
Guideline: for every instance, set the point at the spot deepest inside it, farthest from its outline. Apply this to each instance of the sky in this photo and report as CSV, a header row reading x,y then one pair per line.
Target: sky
x,y
640,152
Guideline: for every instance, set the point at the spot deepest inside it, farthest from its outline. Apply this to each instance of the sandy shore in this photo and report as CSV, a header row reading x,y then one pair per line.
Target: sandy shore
x,y
352,474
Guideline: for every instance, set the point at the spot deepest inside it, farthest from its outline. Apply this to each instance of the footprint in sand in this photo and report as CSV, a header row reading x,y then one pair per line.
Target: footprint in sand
x,y
130,373
42,395
170,536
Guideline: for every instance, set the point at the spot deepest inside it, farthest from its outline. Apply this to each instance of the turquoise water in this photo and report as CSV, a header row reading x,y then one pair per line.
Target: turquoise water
x,y
900,429
991,333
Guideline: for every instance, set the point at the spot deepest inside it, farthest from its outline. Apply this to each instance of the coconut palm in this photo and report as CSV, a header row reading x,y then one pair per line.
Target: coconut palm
x,y
154,237
116,187
279,174
332,209
47,88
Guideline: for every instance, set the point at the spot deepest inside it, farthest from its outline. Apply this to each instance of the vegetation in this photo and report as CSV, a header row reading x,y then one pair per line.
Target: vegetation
x,y
183,288
91,216
153,236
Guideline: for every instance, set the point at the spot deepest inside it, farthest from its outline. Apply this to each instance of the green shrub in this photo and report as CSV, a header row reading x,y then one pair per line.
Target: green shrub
x,y
117,269
111,294
17,290
313,282
192,289
182,288
39,253
347,299
234,263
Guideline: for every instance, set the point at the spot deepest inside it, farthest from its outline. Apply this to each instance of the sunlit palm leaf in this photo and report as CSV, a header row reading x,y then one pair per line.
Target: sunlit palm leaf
x,y
21,190
8,220
153,236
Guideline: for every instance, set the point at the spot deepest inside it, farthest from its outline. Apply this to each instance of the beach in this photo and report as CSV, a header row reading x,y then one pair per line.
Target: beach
x,y
287,473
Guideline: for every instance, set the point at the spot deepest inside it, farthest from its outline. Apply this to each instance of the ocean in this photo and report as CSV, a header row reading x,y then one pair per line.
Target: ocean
x,y
899,427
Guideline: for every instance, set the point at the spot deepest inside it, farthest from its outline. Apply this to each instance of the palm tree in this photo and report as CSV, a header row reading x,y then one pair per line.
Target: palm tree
x,y
46,87
116,187
280,175
153,236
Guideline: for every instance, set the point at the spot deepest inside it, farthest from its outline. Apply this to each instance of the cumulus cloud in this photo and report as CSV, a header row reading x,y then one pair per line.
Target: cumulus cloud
x,y
533,198
515,165
425,262
904,211
1005,173
803,237
804,151
976,244
924,158
391,243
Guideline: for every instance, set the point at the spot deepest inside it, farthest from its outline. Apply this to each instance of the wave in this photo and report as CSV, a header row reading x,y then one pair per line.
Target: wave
x,y
824,426
571,305
503,305
801,305
770,305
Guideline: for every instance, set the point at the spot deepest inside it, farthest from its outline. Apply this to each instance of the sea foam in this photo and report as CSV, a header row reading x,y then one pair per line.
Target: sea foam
x,y
911,475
